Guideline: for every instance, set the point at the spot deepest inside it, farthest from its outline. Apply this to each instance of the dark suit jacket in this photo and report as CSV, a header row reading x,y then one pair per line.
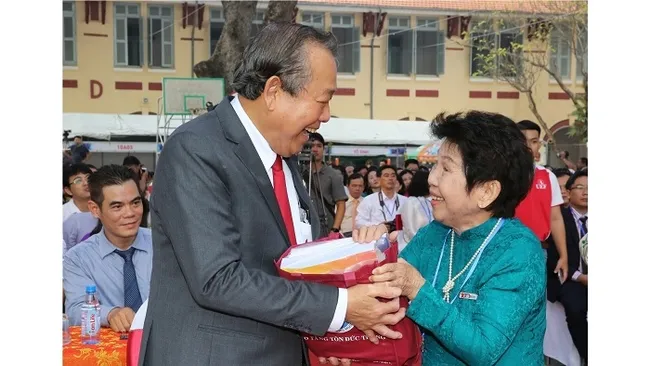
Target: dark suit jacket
x,y
573,255
215,295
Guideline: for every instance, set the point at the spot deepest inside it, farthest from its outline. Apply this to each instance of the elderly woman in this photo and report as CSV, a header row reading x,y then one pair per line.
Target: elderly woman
x,y
475,276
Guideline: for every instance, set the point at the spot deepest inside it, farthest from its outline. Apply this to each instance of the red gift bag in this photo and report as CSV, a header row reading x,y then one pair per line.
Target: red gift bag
x,y
351,342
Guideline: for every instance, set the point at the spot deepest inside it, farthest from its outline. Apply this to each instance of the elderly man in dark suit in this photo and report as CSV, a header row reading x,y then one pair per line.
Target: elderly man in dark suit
x,y
229,201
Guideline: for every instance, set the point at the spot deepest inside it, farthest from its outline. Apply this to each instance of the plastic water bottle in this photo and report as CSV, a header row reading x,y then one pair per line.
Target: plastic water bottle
x,y
90,322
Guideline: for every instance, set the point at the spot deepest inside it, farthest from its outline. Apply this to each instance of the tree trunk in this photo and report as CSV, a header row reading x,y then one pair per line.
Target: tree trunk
x,y
234,38
280,11
532,105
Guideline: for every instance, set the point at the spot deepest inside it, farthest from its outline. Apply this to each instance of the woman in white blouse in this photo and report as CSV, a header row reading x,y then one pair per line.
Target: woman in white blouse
x,y
416,212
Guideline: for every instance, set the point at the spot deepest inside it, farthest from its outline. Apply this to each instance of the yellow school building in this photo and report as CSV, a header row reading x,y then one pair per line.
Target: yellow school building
x,y
116,54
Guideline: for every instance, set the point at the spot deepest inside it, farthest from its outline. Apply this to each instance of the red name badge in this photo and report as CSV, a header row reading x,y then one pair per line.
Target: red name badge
x,y
468,296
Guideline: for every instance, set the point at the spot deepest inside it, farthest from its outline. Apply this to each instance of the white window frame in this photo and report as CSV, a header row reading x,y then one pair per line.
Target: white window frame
x,y
126,17
431,25
72,15
167,25
319,24
402,29
214,19
556,56
579,76
356,51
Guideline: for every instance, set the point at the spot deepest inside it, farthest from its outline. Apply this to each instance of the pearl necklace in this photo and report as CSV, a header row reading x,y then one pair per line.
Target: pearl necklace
x,y
452,280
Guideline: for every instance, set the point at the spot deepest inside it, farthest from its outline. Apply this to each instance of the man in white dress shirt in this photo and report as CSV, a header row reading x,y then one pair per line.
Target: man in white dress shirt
x,y
229,201
381,207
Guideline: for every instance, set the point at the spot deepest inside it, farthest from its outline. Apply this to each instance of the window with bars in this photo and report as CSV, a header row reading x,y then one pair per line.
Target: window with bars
x,y
69,36
560,59
161,36
429,48
400,46
217,22
315,20
348,37
258,23
128,47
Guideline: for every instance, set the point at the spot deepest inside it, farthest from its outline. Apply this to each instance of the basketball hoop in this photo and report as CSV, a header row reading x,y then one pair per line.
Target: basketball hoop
x,y
188,97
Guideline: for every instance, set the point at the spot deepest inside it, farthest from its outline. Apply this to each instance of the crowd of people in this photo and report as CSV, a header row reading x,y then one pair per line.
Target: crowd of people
x,y
469,229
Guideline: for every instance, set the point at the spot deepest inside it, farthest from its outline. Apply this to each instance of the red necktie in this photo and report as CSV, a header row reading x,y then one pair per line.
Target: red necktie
x,y
280,189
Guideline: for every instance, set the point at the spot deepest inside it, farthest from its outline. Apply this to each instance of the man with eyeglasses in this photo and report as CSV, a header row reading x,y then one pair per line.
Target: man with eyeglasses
x,y
572,294
75,185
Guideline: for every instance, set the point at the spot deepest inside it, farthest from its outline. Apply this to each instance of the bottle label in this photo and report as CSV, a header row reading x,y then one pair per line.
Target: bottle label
x,y
90,323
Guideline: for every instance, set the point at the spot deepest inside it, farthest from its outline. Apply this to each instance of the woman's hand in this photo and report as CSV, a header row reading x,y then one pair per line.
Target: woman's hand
x,y
334,361
401,275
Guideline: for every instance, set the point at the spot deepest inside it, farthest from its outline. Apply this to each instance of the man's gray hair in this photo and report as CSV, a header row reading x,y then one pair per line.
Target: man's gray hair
x,y
279,50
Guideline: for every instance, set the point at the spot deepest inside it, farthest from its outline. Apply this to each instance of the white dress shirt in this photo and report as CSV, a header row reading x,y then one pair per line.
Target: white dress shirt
x,y
69,209
268,157
370,212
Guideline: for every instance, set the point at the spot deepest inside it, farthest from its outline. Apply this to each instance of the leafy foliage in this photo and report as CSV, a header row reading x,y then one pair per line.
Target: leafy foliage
x,y
518,49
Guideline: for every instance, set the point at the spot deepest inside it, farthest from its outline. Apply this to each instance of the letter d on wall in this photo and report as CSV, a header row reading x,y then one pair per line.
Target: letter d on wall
x,y
96,89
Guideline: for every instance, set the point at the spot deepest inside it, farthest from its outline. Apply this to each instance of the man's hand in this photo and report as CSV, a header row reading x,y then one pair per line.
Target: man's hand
x,y
583,279
401,275
369,234
372,316
562,265
120,319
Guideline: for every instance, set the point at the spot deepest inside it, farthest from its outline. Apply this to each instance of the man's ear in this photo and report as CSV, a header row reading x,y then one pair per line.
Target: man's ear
x,y
94,209
271,92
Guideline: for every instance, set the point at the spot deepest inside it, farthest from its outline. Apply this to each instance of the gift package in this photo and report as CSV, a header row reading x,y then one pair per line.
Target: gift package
x,y
344,263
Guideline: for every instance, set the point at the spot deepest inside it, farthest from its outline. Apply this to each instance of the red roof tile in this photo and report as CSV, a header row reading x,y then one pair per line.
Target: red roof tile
x,y
458,5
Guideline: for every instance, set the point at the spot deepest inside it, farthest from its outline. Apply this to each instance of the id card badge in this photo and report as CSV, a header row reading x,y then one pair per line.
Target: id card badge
x,y
303,233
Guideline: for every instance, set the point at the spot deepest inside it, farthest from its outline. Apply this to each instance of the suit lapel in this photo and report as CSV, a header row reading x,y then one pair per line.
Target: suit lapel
x,y
572,237
570,225
247,154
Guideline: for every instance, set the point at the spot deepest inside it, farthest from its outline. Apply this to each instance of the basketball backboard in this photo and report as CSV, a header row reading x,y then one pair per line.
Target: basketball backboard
x,y
184,96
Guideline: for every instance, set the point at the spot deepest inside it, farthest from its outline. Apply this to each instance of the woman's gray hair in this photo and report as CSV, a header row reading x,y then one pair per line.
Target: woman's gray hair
x,y
279,50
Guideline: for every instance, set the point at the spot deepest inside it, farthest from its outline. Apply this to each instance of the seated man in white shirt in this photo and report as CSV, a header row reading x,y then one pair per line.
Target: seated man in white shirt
x,y
117,259
381,207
